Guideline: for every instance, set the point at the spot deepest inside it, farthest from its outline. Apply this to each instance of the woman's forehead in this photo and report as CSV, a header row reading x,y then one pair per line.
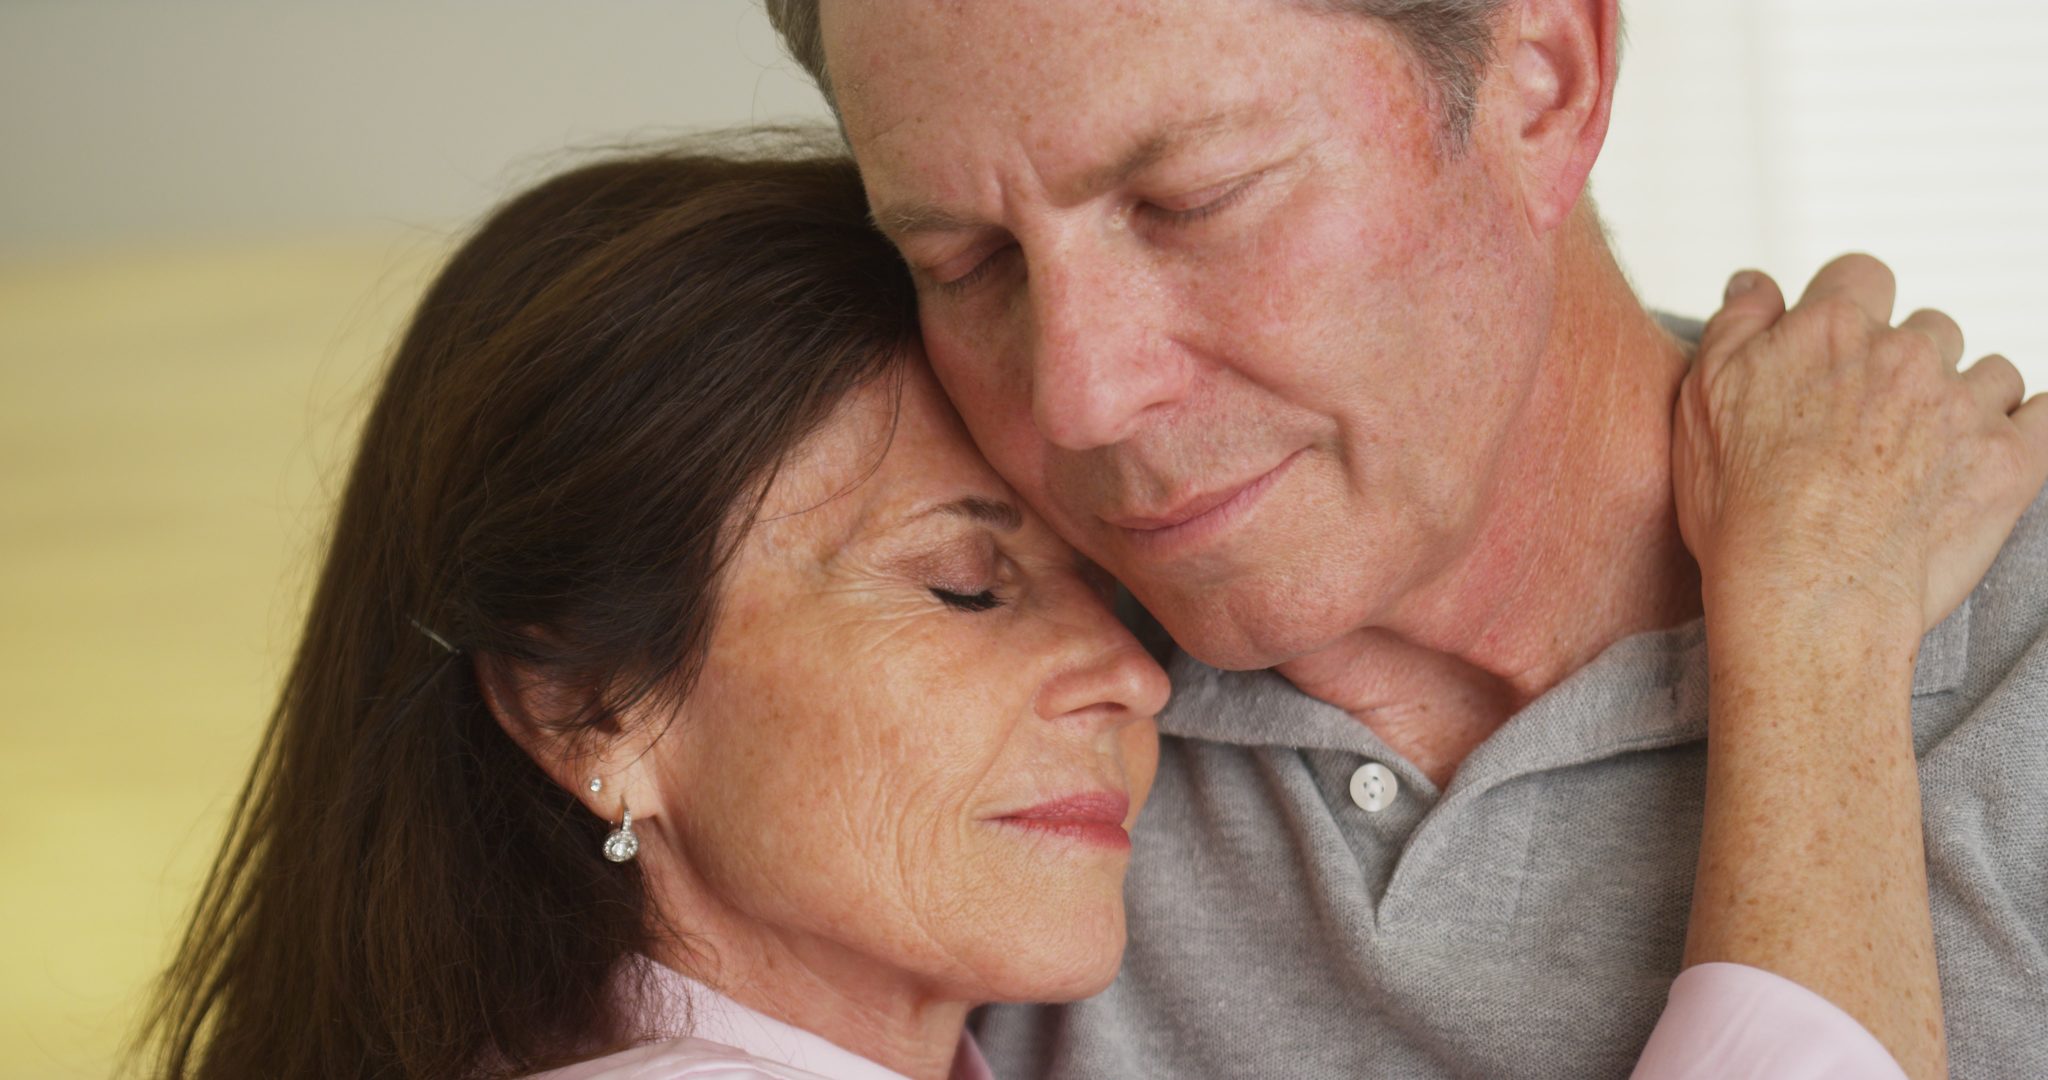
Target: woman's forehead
x,y
889,450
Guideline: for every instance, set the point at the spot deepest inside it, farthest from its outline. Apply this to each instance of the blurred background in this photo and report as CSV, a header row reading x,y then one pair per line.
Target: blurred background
x,y
214,215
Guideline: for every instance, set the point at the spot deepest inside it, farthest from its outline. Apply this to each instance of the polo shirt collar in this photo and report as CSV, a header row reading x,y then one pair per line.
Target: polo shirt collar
x,y
1643,692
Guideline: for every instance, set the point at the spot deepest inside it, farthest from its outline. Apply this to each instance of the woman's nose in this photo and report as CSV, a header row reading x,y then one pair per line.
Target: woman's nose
x,y
1107,679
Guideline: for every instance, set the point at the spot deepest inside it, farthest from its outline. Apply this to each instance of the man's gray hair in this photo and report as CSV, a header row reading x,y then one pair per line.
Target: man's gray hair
x,y
1452,39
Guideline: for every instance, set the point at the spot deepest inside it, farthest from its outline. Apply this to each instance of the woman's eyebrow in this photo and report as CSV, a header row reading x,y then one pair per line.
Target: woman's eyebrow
x,y
995,513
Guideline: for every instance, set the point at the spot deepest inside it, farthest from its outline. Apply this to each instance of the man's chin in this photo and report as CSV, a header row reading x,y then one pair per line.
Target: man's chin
x,y
1239,633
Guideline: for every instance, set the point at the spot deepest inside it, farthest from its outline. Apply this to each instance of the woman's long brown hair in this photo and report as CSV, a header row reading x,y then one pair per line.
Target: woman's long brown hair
x,y
592,392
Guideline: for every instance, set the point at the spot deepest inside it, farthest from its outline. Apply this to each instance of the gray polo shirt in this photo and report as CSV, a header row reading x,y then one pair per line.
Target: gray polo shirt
x,y
1295,914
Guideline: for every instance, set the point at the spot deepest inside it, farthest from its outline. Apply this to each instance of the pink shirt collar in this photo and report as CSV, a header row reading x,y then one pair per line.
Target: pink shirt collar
x,y
709,1016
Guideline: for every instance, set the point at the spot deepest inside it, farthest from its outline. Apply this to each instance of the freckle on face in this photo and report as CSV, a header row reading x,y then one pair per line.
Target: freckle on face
x,y
1377,315
853,732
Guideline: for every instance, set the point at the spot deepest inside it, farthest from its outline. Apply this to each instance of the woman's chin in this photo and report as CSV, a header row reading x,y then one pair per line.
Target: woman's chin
x,y
1087,980
1062,960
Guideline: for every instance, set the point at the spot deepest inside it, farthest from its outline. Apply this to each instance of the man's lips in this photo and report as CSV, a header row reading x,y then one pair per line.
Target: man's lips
x,y
1189,511
1095,817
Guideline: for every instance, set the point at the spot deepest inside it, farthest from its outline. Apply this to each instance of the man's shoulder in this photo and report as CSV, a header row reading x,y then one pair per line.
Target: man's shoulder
x,y
2011,604
1989,662
2031,534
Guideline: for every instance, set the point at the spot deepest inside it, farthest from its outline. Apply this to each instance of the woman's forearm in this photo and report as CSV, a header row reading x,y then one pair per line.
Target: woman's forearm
x,y
1811,860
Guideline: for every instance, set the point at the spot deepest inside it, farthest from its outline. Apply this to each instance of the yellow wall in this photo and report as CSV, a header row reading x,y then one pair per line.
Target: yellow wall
x,y
171,423
171,428
173,417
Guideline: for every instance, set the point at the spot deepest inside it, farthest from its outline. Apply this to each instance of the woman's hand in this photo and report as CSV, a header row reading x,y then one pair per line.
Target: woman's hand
x,y
1823,453
1843,489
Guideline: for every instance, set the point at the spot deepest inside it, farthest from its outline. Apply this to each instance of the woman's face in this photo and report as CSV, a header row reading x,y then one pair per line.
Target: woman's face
x,y
920,736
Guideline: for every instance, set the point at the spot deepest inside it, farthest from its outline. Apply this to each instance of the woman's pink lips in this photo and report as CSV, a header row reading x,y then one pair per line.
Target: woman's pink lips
x,y
1096,817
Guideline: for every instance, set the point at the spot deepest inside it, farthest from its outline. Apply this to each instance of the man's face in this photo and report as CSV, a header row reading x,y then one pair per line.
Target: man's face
x,y
1207,292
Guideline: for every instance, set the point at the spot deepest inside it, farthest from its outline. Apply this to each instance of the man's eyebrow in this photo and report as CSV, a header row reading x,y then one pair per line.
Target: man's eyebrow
x,y
909,219
1168,140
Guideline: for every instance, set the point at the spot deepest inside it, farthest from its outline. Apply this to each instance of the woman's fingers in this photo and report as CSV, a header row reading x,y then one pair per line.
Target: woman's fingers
x,y
1861,280
1996,384
1775,428
1940,329
1751,305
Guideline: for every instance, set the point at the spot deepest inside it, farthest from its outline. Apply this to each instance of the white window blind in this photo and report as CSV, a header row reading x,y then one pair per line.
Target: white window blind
x,y
1779,133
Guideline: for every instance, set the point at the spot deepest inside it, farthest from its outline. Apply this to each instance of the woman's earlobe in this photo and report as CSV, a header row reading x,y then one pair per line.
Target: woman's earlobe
x,y
587,752
621,845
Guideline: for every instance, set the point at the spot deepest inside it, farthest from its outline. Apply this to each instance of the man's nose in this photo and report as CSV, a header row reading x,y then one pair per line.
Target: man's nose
x,y
1102,350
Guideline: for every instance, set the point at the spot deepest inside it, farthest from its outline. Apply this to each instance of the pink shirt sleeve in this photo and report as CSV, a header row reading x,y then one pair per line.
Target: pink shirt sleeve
x,y
1735,1022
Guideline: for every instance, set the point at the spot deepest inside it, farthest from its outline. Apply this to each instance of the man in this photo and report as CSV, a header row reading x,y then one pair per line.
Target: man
x,y
1294,316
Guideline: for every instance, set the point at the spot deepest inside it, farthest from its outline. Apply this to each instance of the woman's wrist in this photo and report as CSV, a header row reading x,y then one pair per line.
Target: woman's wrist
x,y
1811,865
1752,617
1836,668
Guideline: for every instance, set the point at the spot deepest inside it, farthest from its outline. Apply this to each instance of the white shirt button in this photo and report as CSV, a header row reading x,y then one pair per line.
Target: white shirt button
x,y
1374,787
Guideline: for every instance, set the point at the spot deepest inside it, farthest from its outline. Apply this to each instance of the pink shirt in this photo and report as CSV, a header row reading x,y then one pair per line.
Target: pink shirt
x,y
1735,1022
1721,1021
729,1041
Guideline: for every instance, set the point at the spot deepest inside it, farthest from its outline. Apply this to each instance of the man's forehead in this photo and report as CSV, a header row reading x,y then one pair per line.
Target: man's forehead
x,y
1094,71
948,104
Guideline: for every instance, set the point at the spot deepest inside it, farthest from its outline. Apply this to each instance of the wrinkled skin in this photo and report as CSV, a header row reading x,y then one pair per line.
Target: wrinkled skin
x,y
1296,289
818,815
1209,294
1829,454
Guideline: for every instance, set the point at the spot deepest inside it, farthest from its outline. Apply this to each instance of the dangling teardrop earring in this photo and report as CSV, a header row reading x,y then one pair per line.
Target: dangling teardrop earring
x,y
622,845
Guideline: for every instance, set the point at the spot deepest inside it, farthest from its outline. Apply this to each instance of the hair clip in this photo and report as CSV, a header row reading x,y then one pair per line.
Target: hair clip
x,y
431,636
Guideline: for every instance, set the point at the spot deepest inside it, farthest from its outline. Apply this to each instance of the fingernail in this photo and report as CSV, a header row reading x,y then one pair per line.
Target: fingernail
x,y
1739,284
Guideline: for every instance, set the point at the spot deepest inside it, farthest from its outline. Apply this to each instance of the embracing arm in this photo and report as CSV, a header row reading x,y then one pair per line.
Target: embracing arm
x,y
1811,866
1843,488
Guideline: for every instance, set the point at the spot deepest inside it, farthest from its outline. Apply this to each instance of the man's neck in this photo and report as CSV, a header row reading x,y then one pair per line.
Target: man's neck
x,y
1579,547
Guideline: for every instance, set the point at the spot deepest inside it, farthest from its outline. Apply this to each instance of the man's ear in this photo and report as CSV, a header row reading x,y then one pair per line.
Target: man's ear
x,y
1559,59
552,720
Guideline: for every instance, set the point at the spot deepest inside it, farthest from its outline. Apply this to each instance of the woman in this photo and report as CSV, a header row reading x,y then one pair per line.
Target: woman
x,y
678,667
